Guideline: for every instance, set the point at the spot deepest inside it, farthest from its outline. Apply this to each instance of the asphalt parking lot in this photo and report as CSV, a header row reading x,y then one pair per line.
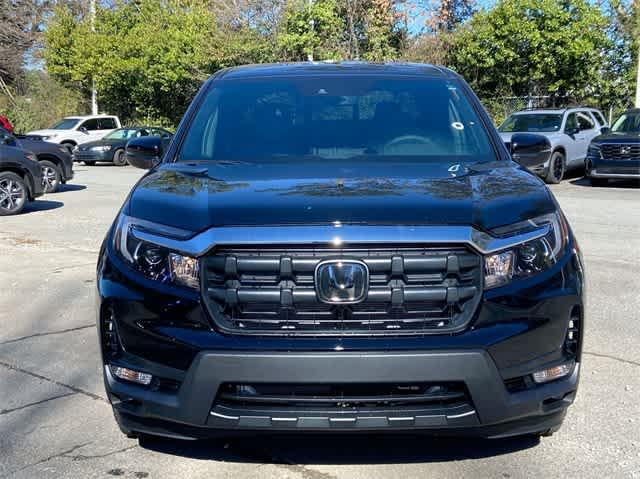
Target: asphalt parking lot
x,y
55,421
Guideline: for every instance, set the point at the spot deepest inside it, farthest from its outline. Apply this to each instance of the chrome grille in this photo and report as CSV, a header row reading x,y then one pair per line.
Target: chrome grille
x,y
621,151
271,290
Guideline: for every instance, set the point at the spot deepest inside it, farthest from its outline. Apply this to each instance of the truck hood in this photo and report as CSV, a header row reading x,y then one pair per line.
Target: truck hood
x,y
618,137
506,137
48,132
197,196
103,142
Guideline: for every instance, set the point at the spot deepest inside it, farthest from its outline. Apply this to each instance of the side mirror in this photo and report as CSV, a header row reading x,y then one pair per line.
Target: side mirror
x,y
571,131
530,150
7,139
144,152
84,130
605,130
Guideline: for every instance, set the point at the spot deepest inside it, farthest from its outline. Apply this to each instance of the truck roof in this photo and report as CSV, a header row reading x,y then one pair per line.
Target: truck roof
x,y
328,68
86,117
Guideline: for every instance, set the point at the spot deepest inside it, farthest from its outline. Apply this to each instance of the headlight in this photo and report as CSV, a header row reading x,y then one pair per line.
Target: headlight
x,y
528,258
153,261
594,151
101,148
48,137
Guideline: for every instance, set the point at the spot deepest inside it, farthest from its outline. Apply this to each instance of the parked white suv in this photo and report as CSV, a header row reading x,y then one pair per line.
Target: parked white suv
x,y
569,130
75,130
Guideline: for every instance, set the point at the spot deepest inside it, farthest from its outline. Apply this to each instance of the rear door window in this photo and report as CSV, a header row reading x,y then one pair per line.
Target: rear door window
x,y
107,124
599,118
585,122
91,124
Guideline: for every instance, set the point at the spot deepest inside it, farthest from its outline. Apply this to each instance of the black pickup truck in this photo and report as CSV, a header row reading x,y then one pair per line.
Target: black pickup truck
x,y
340,247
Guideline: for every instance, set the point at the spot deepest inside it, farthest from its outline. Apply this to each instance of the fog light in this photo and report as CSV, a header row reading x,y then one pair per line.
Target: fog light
x,y
131,375
555,372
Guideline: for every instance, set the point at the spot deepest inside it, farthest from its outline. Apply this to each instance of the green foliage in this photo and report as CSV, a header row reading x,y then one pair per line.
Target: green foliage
x,y
148,58
523,47
311,28
43,102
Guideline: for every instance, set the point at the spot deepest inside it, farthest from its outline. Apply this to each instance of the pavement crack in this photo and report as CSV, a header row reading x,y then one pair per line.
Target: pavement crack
x,y
615,358
49,458
78,390
37,335
86,457
20,408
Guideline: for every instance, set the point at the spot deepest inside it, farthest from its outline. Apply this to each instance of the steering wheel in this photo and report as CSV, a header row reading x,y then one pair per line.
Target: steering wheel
x,y
409,139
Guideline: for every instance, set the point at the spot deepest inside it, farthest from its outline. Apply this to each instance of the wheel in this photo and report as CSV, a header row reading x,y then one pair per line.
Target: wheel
x,y
119,158
51,176
69,146
599,181
13,193
557,166
89,163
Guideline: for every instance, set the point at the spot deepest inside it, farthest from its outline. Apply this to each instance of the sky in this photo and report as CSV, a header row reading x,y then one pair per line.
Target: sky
x,y
417,24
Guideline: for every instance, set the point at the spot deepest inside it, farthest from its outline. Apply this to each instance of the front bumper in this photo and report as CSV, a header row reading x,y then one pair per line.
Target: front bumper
x,y
90,155
624,169
191,413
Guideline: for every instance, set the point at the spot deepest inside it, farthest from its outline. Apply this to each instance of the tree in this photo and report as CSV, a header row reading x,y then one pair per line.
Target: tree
x,y
533,47
433,44
19,29
348,29
617,83
311,28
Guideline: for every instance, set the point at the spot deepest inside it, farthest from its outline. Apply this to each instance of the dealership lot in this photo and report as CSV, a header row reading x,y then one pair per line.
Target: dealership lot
x,y
55,421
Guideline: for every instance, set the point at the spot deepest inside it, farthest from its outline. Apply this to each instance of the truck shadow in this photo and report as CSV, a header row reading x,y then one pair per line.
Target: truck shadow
x,y
632,183
71,187
41,205
331,449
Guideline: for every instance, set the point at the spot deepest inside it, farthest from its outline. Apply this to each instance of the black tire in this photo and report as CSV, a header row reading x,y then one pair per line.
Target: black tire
x,y
557,167
599,181
119,158
69,146
13,193
51,176
90,163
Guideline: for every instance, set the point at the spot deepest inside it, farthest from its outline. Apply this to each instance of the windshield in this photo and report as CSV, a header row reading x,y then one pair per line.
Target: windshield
x,y
66,124
627,123
532,122
336,118
121,134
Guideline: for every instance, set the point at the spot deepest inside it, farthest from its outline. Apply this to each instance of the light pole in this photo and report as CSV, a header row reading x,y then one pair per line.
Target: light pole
x,y
312,25
94,94
638,80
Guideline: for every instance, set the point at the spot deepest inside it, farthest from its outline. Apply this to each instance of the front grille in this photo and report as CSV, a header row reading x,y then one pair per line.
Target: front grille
x,y
350,406
618,170
81,155
621,151
411,291
341,396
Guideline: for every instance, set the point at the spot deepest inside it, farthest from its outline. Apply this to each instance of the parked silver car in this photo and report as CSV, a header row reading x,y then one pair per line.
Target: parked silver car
x,y
569,130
